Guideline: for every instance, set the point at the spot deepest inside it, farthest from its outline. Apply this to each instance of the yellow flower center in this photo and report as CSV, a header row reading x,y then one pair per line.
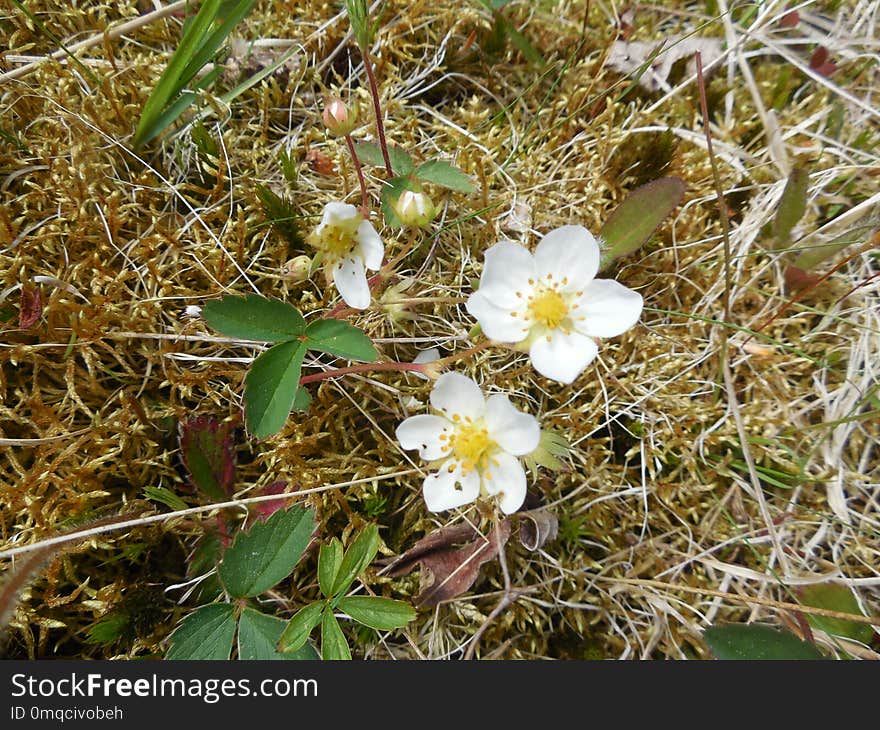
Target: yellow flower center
x,y
548,308
472,445
336,240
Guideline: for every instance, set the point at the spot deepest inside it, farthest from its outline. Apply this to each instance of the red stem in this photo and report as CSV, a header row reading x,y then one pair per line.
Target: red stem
x,y
365,208
374,90
363,368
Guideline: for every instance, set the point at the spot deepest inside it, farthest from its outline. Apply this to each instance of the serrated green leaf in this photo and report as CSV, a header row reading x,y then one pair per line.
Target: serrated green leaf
x,y
835,597
336,337
165,496
297,631
271,386
792,206
382,614
333,643
358,556
754,641
207,633
267,553
258,636
445,175
254,318
638,216
329,563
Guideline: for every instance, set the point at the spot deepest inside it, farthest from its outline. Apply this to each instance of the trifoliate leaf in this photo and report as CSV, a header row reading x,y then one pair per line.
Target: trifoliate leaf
x,y
254,318
271,386
267,553
329,563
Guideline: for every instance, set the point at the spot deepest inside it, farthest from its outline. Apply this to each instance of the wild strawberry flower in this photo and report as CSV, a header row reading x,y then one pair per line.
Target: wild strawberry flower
x,y
349,245
476,443
550,302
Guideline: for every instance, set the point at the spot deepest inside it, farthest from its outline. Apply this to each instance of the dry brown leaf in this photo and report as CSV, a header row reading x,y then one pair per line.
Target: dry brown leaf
x,y
31,308
537,527
628,58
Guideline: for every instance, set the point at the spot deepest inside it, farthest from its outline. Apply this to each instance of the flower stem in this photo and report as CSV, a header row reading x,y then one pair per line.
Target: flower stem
x,y
366,367
365,207
374,91
443,362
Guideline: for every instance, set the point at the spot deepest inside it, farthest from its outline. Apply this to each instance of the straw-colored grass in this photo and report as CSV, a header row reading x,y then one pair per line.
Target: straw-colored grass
x,y
661,528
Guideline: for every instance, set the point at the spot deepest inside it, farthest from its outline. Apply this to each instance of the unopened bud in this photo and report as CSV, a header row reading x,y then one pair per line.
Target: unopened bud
x,y
338,118
298,268
415,209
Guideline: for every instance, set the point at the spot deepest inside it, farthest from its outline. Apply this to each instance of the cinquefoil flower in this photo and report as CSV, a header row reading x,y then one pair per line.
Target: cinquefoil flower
x,y
550,303
349,245
476,442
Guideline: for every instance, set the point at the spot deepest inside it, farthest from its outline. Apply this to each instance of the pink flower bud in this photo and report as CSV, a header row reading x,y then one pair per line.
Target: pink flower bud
x,y
338,118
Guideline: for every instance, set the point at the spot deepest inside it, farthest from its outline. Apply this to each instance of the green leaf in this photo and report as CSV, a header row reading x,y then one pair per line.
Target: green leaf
x,y
254,318
754,641
207,633
171,81
811,256
165,496
835,597
792,206
302,400
333,643
258,635
336,337
297,631
267,553
445,175
358,556
271,386
370,153
638,216
522,44
329,563
382,614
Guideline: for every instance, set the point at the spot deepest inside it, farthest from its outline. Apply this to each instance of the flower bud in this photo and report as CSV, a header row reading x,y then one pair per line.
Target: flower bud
x,y
415,209
338,118
298,268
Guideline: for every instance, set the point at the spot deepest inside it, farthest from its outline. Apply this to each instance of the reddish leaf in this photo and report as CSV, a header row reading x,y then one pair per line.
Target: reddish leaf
x,y
264,510
449,572
31,308
790,20
320,163
208,454
797,278
820,62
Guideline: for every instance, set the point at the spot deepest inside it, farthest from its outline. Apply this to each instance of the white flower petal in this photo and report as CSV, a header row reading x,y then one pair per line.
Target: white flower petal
x,y
351,280
449,487
569,252
506,273
371,246
497,322
423,432
507,479
455,394
608,309
562,357
516,432
337,212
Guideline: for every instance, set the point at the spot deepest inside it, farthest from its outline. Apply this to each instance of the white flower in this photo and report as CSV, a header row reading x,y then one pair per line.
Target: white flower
x,y
550,303
349,245
476,442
